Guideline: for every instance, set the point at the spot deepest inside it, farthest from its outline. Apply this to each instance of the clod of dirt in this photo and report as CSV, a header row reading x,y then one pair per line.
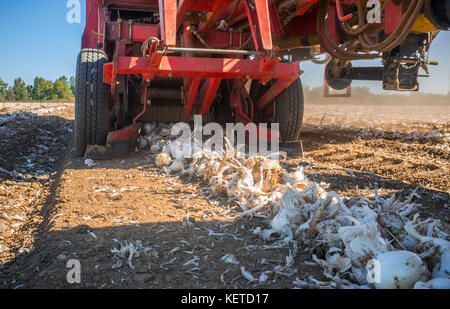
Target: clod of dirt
x,y
163,159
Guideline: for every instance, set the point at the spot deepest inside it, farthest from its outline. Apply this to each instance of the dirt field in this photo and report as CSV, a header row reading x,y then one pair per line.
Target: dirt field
x,y
54,208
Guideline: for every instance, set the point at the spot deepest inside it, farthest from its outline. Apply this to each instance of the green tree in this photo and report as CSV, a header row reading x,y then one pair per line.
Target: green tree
x,y
73,85
61,89
42,90
29,92
19,90
3,90
10,94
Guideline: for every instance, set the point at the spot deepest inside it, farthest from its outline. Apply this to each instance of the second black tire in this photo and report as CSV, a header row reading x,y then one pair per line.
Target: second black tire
x,y
288,109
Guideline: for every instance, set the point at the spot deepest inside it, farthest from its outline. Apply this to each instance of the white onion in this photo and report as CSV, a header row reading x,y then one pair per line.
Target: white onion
x,y
400,270
438,283
155,148
148,128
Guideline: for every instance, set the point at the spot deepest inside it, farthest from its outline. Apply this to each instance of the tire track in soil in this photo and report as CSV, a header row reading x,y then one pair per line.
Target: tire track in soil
x,y
36,146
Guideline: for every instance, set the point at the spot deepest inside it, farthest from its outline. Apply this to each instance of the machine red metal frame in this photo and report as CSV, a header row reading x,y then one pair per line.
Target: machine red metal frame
x,y
174,30
161,62
187,40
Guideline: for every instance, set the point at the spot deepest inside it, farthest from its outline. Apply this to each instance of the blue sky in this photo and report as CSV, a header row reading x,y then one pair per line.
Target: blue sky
x,y
37,40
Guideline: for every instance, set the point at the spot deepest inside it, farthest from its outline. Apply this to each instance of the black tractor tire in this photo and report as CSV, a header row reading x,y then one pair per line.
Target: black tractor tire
x,y
91,101
334,81
288,109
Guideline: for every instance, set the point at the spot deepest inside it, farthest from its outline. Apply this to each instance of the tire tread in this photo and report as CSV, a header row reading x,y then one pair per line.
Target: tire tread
x,y
91,105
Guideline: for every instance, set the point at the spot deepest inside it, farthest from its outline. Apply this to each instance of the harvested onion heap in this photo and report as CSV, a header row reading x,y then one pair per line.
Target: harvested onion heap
x,y
353,234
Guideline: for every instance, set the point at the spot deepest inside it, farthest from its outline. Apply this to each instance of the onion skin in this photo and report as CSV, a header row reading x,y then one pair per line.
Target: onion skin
x,y
177,166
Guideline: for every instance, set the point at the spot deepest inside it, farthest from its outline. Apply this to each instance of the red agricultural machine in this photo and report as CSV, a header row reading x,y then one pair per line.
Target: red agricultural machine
x,y
236,60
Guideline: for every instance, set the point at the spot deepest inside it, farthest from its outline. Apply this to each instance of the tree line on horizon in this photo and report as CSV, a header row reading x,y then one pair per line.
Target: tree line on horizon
x,y
41,90
63,89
